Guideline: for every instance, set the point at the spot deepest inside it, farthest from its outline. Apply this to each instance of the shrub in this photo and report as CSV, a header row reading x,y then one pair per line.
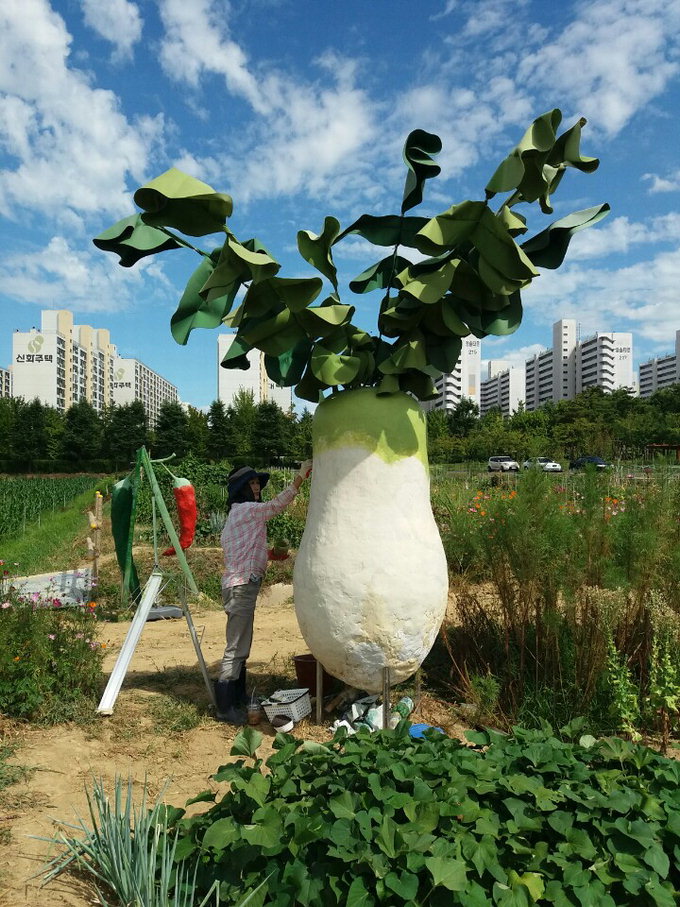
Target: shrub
x,y
50,659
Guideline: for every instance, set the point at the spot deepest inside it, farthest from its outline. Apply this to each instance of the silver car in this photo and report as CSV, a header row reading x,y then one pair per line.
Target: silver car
x,y
544,463
503,464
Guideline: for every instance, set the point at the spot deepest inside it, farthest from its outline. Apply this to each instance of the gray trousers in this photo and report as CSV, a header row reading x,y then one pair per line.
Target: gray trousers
x,y
239,604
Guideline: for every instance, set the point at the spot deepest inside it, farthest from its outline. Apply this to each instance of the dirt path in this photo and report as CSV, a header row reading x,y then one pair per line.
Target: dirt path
x,y
143,738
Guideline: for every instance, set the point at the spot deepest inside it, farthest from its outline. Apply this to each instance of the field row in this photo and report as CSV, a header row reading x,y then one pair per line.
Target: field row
x,y
23,501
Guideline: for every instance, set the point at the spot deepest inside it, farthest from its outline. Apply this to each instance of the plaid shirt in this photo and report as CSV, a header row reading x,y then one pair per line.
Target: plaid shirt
x,y
244,537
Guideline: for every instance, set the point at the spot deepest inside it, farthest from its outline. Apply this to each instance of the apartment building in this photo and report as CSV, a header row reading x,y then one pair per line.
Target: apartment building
x,y
132,380
661,372
232,380
604,360
463,381
63,363
503,388
5,382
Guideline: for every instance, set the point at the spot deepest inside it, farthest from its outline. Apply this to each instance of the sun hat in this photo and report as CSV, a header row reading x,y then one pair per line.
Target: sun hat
x,y
240,476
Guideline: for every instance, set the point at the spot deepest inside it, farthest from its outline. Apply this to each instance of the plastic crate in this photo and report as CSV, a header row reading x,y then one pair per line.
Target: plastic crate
x,y
294,703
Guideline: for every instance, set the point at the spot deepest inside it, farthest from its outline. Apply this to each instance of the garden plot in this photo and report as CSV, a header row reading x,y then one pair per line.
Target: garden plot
x,y
159,731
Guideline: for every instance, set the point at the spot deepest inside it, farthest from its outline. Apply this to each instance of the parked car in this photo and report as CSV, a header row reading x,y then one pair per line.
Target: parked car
x,y
503,464
544,463
584,462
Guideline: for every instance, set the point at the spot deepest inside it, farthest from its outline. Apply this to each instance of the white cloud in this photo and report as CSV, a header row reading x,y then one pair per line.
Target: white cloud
x,y
117,21
71,145
196,42
61,276
621,235
670,183
642,297
611,60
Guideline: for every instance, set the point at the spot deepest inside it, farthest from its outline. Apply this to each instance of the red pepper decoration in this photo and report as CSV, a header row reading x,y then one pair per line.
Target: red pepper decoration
x,y
185,498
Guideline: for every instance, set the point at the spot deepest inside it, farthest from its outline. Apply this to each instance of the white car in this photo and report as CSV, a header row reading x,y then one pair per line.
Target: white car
x,y
503,464
544,463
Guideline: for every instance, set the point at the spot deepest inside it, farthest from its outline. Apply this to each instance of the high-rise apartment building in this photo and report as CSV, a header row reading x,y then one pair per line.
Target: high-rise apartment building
x,y
463,381
132,380
503,388
255,379
5,382
604,360
661,372
64,363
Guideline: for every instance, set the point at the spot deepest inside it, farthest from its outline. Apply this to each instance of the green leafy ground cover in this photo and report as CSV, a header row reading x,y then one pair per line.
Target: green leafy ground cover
x,y
513,820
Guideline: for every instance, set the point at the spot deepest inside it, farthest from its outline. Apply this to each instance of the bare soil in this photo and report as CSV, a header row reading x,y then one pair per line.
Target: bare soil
x,y
139,740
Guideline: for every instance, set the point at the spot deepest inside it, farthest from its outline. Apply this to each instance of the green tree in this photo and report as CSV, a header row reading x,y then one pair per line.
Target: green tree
x,y
242,414
171,433
8,415
126,430
29,439
55,424
271,432
220,442
82,438
464,418
301,441
197,432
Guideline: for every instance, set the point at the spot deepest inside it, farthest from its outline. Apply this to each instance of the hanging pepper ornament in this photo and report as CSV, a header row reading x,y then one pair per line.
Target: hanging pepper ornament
x,y
185,499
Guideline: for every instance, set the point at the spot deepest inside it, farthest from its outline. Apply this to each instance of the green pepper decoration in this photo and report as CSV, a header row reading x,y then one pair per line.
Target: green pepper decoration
x,y
122,505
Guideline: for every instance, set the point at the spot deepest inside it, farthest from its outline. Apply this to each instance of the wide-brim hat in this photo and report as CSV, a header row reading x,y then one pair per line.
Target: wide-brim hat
x,y
240,477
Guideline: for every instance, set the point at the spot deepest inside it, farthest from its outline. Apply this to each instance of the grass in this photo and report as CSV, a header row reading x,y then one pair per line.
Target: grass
x,y
57,543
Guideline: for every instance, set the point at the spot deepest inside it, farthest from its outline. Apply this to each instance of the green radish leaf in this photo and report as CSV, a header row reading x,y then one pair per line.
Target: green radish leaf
x,y
317,249
175,199
548,248
388,230
193,310
418,150
380,275
131,239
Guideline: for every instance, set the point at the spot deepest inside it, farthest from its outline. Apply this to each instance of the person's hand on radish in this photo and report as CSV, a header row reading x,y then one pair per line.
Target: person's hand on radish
x,y
303,473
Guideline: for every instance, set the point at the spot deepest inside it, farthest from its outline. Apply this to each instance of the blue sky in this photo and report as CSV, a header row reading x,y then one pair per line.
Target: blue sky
x,y
300,109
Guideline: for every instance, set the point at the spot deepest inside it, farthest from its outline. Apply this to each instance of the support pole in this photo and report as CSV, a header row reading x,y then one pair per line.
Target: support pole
x,y
197,648
319,692
386,696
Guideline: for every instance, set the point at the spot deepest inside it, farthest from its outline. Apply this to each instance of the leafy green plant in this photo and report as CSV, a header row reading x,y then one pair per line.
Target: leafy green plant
x,y
382,818
50,658
468,282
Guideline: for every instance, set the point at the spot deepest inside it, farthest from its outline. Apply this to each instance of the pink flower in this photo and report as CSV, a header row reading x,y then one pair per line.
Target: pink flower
x,y
6,605
51,636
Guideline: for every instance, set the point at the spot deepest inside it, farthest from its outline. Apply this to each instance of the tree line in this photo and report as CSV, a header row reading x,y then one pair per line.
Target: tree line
x,y
37,437
613,426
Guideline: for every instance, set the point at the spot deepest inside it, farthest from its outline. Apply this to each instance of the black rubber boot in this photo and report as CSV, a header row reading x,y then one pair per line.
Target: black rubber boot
x,y
241,695
227,708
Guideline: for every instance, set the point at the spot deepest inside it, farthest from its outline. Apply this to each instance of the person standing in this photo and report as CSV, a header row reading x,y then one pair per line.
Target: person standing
x,y
244,544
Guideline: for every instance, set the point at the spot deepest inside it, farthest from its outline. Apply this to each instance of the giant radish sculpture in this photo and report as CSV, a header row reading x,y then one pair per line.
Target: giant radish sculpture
x,y
370,576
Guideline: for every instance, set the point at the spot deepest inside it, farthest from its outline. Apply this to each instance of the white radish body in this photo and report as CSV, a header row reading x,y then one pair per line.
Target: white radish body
x,y
370,579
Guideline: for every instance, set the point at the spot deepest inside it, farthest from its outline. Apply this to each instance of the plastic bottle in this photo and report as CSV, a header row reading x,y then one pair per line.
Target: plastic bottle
x,y
401,710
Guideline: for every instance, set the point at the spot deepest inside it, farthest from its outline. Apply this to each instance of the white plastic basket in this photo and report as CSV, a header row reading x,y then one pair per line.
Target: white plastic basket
x,y
294,703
